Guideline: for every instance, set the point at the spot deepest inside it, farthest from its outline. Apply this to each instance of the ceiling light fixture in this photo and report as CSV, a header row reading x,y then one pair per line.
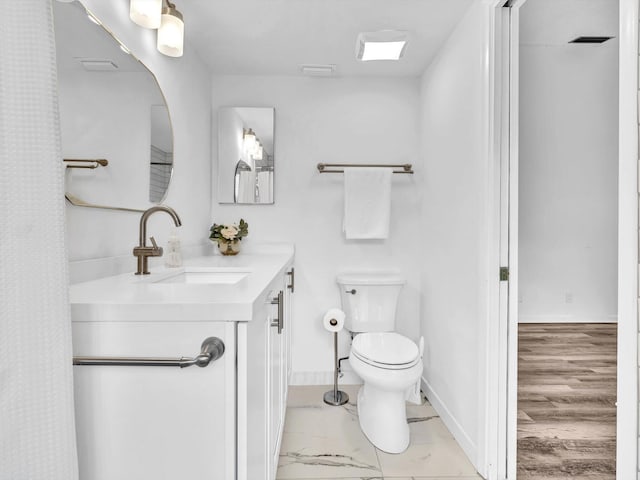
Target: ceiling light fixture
x,y
161,15
382,45
249,141
146,13
257,155
171,32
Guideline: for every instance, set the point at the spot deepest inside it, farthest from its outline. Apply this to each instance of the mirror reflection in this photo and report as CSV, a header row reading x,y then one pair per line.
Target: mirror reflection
x,y
245,155
161,165
111,107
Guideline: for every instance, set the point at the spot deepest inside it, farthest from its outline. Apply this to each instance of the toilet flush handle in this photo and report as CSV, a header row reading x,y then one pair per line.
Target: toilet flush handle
x,y
352,291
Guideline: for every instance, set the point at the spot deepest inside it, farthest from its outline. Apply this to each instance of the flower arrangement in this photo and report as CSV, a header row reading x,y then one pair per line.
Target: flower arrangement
x,y
229,236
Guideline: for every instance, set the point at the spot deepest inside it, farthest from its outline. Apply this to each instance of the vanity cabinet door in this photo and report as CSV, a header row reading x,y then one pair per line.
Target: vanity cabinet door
x,y
262,384
276,382
154,423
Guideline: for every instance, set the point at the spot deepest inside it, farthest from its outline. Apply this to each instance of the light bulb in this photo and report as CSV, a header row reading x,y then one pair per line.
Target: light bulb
x,y
249,141
171,32
146,13
258,153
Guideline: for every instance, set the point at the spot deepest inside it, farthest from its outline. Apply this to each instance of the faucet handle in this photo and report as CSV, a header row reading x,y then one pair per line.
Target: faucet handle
x,y
156,251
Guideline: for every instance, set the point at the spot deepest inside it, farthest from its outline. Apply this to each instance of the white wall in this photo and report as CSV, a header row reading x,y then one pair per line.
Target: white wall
x,y
568,182
453,249
334,120
185,83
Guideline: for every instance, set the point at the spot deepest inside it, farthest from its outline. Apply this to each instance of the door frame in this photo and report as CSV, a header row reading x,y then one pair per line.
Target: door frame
x,y
501,393
501,397
627,412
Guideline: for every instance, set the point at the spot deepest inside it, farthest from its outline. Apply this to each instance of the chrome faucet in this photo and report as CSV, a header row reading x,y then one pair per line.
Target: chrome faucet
x,y
142,251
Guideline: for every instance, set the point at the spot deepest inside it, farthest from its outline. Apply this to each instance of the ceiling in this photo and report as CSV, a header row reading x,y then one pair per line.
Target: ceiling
x,y
274,37
556,22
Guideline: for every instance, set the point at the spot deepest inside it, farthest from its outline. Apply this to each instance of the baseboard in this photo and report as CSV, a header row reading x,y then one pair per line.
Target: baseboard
x,y
323,378
567,319
465,442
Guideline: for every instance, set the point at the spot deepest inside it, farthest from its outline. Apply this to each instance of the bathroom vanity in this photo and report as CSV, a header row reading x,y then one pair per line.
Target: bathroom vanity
x,y
220,422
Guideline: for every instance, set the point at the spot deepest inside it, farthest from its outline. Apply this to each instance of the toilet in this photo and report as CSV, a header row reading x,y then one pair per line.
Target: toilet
x,y
388,363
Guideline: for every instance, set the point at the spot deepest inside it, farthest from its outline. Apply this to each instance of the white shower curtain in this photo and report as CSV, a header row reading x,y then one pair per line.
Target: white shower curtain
x,y
37,435
247,187
265,183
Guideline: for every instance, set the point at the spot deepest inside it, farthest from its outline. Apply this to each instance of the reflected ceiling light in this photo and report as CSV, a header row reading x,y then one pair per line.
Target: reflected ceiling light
x,y
146,13
257,150
249,139
257,155
382,45
171,32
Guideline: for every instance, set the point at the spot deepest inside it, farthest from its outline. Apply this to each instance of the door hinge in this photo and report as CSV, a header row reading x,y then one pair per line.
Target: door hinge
x,y
504,274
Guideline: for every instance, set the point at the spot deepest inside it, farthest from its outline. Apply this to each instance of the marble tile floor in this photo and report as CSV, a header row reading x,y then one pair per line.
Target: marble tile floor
x,y
322,442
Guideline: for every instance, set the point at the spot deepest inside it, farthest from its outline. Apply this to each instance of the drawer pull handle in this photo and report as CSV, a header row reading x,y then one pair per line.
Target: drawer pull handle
x,y
279,322
292,275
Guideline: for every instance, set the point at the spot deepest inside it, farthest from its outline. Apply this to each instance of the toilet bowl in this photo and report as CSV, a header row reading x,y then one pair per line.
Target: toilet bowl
x,y
389,364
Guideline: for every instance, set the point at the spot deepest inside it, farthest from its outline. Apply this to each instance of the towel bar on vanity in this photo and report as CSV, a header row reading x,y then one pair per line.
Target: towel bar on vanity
x,y
405,168
212,349
94,162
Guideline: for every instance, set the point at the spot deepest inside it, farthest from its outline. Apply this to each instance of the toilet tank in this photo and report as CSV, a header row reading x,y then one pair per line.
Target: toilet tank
x,y
369,300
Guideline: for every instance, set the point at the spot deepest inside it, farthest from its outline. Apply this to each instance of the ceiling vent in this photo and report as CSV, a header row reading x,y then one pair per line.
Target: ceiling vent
x,y
318,70
93,65
590,39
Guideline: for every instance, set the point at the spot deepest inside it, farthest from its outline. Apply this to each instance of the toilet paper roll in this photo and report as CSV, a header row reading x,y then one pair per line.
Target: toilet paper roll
x,y
333,320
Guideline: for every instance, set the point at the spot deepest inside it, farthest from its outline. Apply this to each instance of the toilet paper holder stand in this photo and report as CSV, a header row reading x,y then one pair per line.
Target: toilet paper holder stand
x,y
335,397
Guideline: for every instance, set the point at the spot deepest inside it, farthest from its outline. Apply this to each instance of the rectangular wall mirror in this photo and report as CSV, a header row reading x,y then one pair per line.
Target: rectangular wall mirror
x,y
245,155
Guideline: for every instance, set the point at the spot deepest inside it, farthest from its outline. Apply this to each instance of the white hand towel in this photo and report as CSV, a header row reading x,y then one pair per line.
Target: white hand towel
x,y
367,202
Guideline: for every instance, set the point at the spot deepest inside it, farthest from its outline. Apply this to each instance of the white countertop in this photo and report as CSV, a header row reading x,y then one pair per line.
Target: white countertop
x,y
130,297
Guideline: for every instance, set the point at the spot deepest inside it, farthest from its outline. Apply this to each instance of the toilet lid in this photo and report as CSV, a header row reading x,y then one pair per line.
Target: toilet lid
x,y
385,348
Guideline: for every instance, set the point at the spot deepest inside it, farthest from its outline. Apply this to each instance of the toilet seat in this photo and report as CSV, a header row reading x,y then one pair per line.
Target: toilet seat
x,y
386,350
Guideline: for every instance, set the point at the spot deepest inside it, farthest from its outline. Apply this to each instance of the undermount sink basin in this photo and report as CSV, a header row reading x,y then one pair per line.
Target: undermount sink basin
x,y
206,277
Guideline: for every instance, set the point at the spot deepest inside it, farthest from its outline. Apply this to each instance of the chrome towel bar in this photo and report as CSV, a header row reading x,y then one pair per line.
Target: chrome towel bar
x,y
405,168
212,349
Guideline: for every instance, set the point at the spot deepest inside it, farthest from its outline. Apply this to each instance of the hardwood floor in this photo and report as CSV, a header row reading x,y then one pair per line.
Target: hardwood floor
x,y
566,401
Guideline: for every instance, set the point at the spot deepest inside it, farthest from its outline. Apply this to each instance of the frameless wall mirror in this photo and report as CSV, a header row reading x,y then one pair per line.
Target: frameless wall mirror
x,y
245,155
112,108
